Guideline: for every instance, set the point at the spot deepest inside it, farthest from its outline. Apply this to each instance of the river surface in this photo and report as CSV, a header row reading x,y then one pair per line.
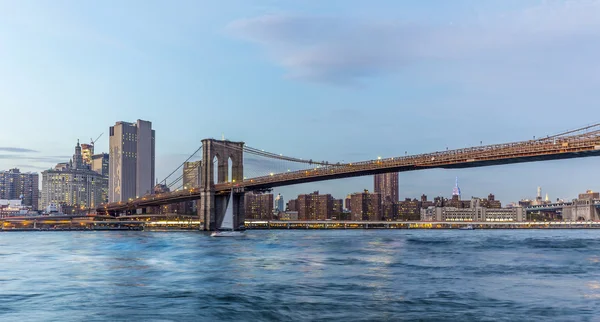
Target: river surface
x,y
280,275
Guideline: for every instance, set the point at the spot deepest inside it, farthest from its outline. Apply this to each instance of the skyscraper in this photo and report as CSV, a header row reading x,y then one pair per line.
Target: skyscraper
x,y
16,185
279,204
131,160
386,184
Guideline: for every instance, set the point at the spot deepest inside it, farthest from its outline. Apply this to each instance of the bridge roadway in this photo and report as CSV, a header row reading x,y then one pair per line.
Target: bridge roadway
x,y
550,148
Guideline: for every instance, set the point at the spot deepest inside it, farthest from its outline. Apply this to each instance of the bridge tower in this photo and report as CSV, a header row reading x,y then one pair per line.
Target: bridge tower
x,y
211,206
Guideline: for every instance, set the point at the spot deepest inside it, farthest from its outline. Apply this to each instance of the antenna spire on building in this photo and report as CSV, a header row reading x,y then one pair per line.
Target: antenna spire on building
x,y
456,190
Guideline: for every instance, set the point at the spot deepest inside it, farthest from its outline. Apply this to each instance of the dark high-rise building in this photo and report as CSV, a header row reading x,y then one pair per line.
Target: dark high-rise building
x,y
16,185
409,209
258,206
389,210
386,184
314,206
292,205
426,203
338,209
366,206
348,202
191,174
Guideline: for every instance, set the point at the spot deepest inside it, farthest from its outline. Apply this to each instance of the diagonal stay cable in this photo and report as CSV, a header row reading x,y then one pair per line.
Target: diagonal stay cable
x,y
181,165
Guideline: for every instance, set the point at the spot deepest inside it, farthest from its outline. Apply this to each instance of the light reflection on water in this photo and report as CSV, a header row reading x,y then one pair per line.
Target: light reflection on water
x,y
358,275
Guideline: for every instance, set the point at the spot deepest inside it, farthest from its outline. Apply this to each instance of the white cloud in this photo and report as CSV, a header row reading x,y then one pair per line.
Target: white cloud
x,y
556,38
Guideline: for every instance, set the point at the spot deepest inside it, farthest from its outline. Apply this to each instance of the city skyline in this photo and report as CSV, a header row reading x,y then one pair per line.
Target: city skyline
x,y
177,72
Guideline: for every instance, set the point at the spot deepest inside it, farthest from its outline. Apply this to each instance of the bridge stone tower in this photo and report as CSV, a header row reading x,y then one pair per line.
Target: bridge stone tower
x,y
211,206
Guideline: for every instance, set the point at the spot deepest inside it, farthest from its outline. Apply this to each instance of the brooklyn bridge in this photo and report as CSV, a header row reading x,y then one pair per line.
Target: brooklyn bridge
x,y
225,167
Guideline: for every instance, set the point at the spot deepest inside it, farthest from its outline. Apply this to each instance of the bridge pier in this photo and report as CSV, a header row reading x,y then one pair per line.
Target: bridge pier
x,y
216,155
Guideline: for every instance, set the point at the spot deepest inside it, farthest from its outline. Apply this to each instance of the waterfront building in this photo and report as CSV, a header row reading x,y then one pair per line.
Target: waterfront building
x,y
279,203
366,206
258,205
314,206
191,174
14,208
73,184
386,184
15,185
131,160
100,163
475,212
583,208
409,209
288,215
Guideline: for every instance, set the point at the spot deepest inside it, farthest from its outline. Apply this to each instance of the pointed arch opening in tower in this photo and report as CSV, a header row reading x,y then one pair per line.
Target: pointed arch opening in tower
x,y
229,170
215,167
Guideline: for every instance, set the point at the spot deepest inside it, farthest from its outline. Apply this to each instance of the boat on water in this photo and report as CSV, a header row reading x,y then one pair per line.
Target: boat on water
x,y
226,228
467,227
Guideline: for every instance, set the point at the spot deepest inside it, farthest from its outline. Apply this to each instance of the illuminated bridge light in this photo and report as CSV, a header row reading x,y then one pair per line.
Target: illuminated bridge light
x,y
574,145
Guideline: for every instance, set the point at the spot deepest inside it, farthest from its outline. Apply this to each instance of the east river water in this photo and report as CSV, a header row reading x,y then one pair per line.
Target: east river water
x,y
346,275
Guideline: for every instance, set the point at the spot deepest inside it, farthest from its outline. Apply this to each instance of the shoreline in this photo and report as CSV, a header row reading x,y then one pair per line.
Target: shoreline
x,y
262,229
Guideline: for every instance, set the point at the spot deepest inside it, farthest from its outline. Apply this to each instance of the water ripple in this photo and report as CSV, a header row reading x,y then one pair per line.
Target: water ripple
x,y
357,275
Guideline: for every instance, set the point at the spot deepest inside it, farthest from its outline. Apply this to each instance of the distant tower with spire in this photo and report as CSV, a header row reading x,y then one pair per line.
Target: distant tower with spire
x,y
538,198
77,157
456,190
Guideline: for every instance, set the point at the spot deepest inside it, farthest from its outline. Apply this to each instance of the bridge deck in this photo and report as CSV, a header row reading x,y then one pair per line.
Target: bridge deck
x,y
551,148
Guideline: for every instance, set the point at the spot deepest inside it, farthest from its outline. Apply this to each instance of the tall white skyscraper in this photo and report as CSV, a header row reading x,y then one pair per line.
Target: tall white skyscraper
x,y
131,160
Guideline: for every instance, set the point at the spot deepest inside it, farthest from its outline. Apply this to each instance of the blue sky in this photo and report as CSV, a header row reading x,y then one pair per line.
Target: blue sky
x,y
328,80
